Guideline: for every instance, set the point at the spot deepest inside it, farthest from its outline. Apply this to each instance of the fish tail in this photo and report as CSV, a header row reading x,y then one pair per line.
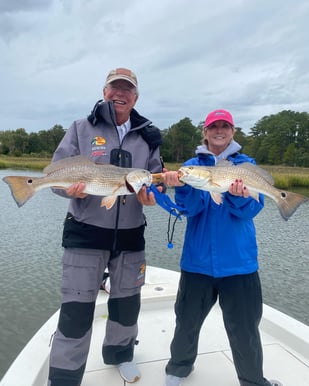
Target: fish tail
x,y
289,202
22,188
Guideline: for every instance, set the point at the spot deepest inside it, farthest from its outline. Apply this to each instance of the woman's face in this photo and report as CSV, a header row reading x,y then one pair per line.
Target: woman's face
x,y
218,135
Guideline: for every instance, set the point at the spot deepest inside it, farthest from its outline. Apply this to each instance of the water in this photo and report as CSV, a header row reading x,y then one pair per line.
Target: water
x,y
30,261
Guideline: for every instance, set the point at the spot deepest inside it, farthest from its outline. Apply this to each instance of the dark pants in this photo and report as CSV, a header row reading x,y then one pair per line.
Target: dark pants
x,y
240,298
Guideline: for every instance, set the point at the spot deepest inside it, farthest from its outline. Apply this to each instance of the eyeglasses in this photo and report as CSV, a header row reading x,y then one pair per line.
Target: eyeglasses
x,y
125,90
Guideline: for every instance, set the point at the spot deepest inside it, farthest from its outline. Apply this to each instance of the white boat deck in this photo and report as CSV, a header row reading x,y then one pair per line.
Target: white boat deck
x,y
286,346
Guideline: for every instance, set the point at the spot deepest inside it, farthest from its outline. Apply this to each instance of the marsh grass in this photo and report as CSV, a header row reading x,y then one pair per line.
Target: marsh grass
x,y
287,177
287,181
22,163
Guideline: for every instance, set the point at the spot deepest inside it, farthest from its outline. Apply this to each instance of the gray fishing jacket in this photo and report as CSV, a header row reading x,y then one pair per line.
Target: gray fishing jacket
x,y
88,225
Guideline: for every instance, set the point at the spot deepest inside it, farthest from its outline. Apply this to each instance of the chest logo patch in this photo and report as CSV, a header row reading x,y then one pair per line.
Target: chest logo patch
x,y
98,141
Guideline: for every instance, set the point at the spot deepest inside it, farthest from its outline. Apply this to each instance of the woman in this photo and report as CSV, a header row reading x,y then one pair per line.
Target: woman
x,y
219,261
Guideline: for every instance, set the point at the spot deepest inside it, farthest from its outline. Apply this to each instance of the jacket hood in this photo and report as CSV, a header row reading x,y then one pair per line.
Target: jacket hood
x,y
232,148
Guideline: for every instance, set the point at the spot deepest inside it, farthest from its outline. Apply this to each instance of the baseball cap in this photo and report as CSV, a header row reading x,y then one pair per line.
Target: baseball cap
x,y
122,73
219,115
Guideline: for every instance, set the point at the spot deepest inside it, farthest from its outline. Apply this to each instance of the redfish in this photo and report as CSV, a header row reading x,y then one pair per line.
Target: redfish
x,y
217,179
104,180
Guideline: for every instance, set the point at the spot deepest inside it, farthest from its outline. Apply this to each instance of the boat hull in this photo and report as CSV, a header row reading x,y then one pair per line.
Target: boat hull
x,y
285,342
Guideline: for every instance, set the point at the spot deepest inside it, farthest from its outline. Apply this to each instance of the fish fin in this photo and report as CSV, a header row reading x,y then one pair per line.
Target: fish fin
x,y
59,187
289,202
67,162
119,186
217,197
249,166
111,166
215,184
258,170
224,163
108,201
21,188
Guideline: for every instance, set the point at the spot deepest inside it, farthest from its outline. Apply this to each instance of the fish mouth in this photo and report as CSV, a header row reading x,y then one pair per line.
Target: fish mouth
x,y
130,187
135,185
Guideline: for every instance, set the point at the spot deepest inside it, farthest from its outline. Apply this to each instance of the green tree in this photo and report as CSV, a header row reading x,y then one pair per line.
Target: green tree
x,y
19,142
49,139
273,135
14,142
5,142
180,141
289,157
240,136
34,143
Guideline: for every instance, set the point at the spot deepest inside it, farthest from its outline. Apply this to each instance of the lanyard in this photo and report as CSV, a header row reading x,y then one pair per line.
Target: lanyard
x,y
173,209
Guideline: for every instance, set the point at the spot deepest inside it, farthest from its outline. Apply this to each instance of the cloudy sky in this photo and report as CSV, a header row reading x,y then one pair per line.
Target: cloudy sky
x,y
190,56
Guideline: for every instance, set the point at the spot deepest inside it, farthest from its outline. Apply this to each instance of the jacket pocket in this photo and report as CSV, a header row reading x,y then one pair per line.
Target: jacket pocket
x,y
133,270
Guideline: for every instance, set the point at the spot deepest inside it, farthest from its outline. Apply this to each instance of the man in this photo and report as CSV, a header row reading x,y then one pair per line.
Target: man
x,y
95,238
219,261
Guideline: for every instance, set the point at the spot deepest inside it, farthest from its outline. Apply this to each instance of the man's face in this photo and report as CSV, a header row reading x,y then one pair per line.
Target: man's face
x,y
124,96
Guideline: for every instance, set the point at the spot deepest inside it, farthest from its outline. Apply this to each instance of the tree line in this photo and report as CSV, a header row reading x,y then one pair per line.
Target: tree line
x,y
41,144
278,139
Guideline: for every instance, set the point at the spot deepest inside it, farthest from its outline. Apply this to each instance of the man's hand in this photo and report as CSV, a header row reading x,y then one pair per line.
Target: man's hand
x,y
146,198
237,188
76,190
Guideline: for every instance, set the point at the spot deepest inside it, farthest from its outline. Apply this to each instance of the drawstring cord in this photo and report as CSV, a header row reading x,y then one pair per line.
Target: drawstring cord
x,y
166,203
170,233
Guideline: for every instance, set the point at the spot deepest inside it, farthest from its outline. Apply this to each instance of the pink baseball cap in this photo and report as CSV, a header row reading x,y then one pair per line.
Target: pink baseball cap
x,y
219,115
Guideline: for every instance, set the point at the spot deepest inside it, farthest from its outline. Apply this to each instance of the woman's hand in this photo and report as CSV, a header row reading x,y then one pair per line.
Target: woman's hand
x,y
237,188
171,179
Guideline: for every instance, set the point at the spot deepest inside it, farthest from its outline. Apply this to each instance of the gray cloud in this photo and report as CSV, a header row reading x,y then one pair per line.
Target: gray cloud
x,y
12,6
247,56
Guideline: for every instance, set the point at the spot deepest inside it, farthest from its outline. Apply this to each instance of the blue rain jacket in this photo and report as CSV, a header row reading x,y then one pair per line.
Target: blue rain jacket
x,y
220,240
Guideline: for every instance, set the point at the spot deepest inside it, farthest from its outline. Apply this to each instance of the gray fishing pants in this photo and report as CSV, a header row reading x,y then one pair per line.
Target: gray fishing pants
x,y
240,298
82,276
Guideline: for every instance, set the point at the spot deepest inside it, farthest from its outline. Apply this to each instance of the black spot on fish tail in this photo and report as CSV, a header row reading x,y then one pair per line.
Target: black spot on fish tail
x,y
22,188
289,202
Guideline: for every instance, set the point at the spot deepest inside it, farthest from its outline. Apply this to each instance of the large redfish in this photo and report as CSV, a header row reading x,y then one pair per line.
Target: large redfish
x,y
104,180
217,179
